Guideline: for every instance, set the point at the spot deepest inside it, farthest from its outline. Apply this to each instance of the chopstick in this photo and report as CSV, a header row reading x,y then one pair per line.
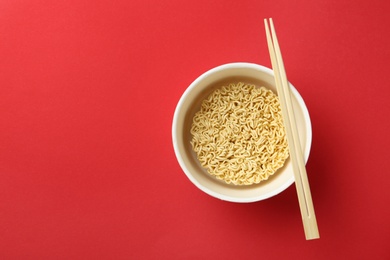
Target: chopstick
x,y
299,169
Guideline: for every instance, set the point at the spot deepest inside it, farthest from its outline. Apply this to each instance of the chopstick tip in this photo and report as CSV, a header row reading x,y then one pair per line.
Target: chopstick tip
x,y
271,22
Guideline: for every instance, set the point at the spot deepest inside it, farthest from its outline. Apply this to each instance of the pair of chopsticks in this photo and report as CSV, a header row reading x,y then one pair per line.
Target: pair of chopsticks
x,y
283,89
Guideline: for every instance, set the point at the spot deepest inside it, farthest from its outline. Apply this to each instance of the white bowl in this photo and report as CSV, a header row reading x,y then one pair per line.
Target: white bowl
x,y
190,103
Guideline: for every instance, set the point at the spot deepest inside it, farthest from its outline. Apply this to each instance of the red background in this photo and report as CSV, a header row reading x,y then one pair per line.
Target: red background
x,y
87,95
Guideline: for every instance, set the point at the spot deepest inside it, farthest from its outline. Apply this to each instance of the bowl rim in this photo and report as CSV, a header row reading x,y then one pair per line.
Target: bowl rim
x,y
175,122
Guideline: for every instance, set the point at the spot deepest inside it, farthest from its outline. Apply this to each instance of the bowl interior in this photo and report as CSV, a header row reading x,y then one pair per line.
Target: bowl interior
x,y
190,103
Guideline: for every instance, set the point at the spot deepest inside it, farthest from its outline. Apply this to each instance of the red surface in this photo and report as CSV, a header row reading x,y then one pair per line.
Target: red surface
x,y
87,95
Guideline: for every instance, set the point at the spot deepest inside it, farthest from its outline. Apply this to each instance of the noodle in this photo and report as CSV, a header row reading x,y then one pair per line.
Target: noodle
x,y
238,134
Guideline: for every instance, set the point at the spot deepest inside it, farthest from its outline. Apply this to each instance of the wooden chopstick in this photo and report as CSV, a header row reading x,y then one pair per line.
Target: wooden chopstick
x,y
300,175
